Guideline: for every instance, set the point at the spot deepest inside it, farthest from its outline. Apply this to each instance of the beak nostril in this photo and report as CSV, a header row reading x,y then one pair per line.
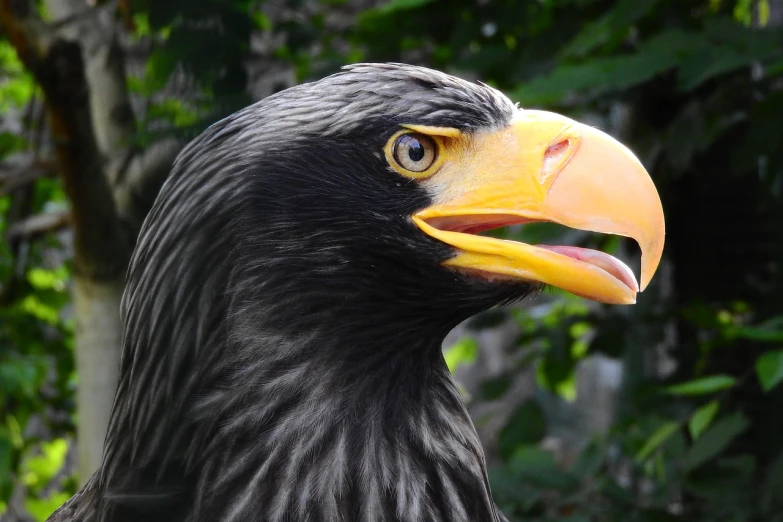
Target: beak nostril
x,y
556,150
554,158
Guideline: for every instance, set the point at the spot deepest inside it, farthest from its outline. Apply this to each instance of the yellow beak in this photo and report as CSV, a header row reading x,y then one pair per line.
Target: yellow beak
x,y
545,167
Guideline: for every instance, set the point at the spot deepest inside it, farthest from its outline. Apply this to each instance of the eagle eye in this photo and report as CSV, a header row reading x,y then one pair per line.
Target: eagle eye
x,y
414,151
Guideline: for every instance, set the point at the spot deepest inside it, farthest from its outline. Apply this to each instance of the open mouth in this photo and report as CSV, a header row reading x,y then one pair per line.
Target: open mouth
x,y
543,167
570,256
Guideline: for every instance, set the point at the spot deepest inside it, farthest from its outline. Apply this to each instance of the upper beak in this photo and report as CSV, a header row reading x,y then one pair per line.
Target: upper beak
x,y
545,167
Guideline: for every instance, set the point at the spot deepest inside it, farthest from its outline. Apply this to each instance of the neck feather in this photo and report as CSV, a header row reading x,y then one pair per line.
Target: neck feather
x,y
291,437
308,439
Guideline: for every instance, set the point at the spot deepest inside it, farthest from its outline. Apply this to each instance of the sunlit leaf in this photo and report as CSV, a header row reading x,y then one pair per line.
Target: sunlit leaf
x,y
48,279
743,11
40,509
462,352
16,84
34,306
763,12
39,470
566,388
176,112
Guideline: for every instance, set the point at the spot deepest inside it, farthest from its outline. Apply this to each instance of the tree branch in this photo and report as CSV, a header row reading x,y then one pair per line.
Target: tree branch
x,y
145,172
39,224
132,176
102,240
112,116
15,177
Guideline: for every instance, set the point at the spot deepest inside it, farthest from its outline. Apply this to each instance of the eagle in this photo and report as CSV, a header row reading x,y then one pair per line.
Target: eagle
x,y
291,287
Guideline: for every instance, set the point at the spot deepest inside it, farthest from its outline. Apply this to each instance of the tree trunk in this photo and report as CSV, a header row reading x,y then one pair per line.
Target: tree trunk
x,y
98,341
80,67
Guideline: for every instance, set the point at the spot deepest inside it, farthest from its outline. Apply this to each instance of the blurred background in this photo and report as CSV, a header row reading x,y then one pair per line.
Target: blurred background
x,y
670,410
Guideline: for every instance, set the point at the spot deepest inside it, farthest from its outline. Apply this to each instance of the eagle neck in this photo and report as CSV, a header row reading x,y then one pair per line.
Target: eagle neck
x,y
319,437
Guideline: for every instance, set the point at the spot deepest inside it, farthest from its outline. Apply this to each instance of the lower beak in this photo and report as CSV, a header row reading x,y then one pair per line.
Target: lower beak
x,y
545,167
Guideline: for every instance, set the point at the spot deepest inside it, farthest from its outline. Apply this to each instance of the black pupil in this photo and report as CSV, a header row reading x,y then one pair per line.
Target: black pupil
x,y
415,150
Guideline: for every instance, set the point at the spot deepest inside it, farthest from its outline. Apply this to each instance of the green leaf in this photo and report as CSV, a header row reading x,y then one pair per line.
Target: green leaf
x,y
557,375
160,65
663,52
530,459
769,368
527,425
37,308
16,85
612,27
261,21
658,437
701,419
20,377
743,12
6,464
39,470
40,509
715,440
175,111
597,76
462,352
770,331
729,47
538,467
702,386
763,11
401,5
48,279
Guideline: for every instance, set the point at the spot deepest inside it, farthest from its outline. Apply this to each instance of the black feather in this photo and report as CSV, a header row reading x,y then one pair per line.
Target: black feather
x,y
284,318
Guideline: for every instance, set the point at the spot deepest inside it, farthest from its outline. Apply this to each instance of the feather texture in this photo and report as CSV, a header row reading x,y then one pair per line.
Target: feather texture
x,y
283,322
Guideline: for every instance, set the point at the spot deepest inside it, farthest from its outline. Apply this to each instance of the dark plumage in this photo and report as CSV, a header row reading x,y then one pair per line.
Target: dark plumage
x,y
284,321
285,309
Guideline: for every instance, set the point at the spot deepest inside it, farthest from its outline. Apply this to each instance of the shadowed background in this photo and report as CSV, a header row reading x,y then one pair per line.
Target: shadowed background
x,y
666,411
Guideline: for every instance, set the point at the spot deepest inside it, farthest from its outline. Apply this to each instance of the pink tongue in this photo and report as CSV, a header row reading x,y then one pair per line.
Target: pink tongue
x,y
603,261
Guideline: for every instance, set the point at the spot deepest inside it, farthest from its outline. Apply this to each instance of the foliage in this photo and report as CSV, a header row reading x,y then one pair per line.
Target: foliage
x,y
36,363
694,86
